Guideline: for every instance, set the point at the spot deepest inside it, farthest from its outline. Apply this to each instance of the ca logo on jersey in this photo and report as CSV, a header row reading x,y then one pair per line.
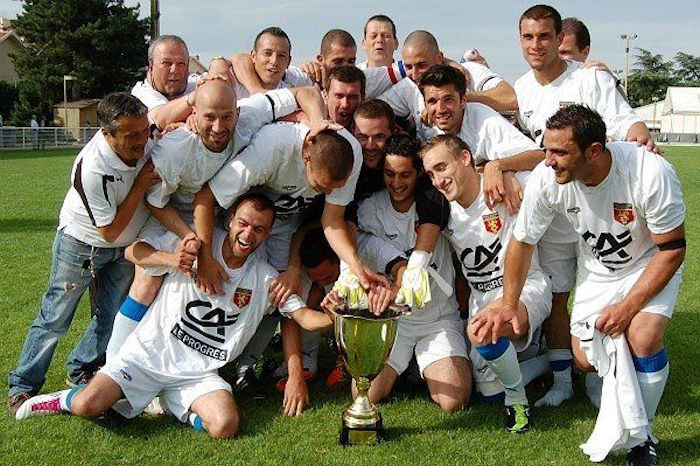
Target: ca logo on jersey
x,y
241,297
623,213
492,222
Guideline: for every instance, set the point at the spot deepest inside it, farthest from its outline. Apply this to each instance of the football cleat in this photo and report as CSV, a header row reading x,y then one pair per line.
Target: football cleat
x,y
643,454
40,405
518,418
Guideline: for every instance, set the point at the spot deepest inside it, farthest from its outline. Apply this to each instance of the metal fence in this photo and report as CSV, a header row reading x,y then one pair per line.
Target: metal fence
x,y
23,137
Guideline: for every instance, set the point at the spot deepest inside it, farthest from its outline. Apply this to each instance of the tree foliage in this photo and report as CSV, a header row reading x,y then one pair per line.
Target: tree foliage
x,y
652,75
101,42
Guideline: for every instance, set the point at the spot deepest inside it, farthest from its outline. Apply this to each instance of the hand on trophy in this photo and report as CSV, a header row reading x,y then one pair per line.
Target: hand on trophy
x,y
349,288
415,285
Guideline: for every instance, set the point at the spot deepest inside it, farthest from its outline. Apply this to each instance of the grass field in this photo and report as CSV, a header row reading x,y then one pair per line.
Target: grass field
x,y
32,187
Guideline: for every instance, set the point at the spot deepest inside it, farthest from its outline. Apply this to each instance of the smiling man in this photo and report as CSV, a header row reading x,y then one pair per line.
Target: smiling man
x,y
553,83
193,334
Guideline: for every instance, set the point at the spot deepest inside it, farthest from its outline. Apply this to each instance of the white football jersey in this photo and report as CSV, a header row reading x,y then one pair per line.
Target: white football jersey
x,y
378,217
185,164
151,98
613,220
576,85
479,236
481,78
100,181
273,162
377,80
188,332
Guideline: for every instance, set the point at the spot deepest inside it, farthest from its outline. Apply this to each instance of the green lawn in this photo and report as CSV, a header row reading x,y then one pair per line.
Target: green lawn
x,y
32,188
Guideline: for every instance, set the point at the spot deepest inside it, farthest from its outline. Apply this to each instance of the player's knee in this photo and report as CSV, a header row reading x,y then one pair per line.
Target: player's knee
x,y
644,342
85,404
455,403
474,339
145,288
222,426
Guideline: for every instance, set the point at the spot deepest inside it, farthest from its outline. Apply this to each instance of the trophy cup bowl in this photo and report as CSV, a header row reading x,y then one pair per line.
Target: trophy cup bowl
x,y
364,342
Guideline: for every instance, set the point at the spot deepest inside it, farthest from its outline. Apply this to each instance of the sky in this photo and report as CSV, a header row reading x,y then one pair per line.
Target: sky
x,y
216,27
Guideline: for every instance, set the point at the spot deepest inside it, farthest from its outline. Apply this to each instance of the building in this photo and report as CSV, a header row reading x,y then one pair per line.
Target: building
x,y
81,113
10,43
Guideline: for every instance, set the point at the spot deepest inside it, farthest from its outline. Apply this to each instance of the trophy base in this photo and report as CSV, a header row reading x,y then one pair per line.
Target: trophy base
x,y
372,435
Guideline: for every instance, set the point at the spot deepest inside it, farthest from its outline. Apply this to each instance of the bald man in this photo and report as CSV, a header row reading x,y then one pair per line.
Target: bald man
x,y
421,52
185,161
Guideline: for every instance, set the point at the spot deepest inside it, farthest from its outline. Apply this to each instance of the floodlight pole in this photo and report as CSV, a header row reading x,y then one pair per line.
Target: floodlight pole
x,y
627,38
155,19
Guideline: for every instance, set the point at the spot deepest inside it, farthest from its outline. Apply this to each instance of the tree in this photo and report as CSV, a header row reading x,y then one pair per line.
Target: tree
x,y
650,78
687,69
100,42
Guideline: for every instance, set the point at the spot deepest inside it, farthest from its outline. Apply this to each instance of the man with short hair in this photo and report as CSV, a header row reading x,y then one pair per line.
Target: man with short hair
x,y
479,235
435,333
576,40
626,206
379,42
193,333
343,93
101,215
552,83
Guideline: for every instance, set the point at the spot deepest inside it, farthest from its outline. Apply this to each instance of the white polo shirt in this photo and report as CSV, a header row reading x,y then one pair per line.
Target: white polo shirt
x,y
100,182
151,98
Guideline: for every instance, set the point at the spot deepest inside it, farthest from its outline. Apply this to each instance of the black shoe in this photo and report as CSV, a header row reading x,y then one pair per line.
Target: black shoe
x,y
518,418
248,383
15,401
643,455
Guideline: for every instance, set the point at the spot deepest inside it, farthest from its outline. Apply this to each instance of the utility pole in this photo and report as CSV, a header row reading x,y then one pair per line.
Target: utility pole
x,y
627,38
155,19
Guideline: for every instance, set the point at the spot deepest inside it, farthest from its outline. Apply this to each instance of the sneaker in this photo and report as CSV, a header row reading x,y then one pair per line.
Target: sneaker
x,y
518,418
15,401
308,375
338,378
40,405
643,454
248,383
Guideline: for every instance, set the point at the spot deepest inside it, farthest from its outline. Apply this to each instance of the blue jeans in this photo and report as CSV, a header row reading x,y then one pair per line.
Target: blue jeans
x,y
72,269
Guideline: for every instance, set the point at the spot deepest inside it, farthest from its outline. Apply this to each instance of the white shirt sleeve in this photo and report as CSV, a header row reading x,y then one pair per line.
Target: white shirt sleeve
x,y
616,112
536,213
377,252
344,195
100,197
662,204
260,109
481,78
295,77
503,139
149,96
402,98
379,79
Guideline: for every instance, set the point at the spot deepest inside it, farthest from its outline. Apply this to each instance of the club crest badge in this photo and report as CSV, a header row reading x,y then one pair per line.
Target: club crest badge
x,y
492,222
623,213
241,297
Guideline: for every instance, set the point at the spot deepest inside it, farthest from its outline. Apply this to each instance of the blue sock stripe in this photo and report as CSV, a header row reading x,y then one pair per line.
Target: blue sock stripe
x,y
133,309
491,351
652,363
72,392
561,365
197,424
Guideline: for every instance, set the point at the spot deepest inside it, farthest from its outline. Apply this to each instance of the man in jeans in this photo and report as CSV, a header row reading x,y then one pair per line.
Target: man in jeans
x,y
101,215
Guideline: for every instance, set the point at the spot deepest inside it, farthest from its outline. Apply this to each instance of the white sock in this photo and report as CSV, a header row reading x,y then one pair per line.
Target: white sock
x,y
122,328
560,360
507,369
652,385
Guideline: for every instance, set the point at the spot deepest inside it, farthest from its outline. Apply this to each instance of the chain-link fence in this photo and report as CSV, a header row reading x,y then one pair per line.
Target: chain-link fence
x,y
23,137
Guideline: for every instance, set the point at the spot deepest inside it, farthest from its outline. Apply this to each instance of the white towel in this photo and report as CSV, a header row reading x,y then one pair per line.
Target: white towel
x,y
622,421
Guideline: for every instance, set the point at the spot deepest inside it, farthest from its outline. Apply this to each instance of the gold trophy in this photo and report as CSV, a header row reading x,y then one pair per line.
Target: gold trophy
x,y
364,342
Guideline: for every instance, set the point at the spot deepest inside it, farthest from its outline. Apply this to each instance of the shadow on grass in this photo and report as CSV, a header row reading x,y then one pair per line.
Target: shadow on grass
x,y
37,154
21,225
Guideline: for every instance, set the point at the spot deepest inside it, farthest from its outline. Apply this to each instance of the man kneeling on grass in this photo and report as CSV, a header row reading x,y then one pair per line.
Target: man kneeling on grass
x,y
179,346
